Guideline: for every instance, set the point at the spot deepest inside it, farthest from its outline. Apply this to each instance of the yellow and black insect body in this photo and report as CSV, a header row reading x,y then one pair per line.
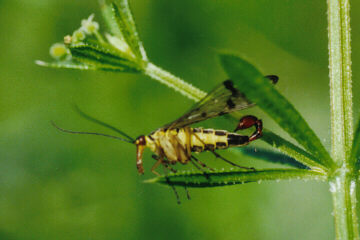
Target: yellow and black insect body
x,y
176,141
177,145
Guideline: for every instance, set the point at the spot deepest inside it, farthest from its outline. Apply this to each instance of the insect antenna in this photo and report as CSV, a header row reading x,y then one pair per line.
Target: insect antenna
x,y
92,119
90,133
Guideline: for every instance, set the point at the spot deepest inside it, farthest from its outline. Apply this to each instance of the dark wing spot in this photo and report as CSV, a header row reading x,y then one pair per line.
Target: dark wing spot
x,y
230,86
230,103
273,78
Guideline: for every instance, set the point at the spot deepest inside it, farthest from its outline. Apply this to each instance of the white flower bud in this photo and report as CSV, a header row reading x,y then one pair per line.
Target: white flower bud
x,y
78,36
89,26
58,51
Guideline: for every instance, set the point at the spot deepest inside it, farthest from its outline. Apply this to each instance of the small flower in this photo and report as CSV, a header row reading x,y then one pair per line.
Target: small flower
x,y
67,39
78,36
89,26
59,51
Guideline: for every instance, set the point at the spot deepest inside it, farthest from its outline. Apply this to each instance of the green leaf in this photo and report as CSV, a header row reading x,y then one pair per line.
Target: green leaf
x,y
123,18
66,64
235,177
259,90
292,150
104,58
271,156
108,14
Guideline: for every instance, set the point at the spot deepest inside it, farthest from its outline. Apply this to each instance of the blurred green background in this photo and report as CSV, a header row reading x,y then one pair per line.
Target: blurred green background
x,y
62,186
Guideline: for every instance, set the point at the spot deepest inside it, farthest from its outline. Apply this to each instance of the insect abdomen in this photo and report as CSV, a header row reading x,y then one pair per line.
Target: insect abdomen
x,y
210,139
205,139
234,140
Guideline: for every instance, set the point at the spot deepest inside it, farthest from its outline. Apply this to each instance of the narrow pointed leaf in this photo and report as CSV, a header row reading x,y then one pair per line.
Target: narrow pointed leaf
x,y
126,24
66,64
108,14
103,58
271,156
228,178
292,150
259,90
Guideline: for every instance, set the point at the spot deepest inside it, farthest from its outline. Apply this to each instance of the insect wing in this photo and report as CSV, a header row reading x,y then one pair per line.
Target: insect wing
x,y
223,99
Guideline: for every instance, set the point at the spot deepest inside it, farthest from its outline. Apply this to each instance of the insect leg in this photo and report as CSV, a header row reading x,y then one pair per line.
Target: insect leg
x,y
249,121
228,161
174,171
166,164
159,160
202,164
174,189
188,141
202,170
197,166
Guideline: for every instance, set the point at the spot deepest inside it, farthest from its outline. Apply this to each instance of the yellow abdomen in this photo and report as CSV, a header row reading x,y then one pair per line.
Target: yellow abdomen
x,y
177,144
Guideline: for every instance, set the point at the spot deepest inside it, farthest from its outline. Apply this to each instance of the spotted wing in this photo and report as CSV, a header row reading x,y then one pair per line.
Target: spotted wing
x,y
223,99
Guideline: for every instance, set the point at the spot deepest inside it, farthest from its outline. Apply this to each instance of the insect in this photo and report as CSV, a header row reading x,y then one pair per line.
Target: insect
x,y
175,142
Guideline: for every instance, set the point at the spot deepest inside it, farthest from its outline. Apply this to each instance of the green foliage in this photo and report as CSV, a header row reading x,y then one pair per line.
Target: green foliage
x,y
226,178
66,64
271,156
103,58
122,51
259,90
127,28
292,150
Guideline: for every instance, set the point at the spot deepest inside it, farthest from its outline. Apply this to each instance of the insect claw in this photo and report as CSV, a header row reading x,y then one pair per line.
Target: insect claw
x,y
246,122
249,121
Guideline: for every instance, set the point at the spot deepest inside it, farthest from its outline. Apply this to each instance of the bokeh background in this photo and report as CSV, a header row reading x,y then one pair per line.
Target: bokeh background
x,y
62,186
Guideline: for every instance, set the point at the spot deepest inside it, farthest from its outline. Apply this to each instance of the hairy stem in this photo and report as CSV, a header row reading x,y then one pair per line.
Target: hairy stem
x,y
340,79
343,189
174,82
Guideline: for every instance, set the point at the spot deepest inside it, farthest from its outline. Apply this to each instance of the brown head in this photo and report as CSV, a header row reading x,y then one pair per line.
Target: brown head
x,y
140,143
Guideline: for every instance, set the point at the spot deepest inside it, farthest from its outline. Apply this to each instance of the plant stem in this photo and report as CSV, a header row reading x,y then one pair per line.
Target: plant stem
x,y
343,184
346,72
343,189
176,83
336,82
